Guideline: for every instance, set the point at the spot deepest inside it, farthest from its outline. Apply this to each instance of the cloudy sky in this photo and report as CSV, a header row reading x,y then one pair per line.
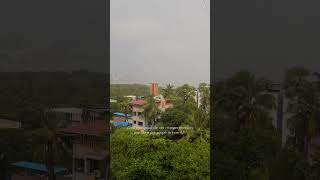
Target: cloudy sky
x,y
266,37
62,35
167,41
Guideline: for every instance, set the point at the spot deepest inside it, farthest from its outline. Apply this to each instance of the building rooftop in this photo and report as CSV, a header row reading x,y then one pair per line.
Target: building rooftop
x,y
121,114
139,102
67,110
120,124
118,119
97,128
5,123
37,166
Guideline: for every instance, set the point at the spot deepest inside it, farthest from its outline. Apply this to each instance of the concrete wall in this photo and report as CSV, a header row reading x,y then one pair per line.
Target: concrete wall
x,y
80,150
137,109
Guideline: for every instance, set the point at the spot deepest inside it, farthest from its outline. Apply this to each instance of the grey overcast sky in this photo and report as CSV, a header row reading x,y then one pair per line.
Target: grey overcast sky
x,y
37,35
265,36
167,41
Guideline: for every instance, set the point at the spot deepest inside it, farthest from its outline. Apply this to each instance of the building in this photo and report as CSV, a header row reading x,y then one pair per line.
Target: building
x,y
197,97
154,89
24,170
120,117
90,138
121,124
163,103
113,101
9,124
137,119
131,97
138,106
72,115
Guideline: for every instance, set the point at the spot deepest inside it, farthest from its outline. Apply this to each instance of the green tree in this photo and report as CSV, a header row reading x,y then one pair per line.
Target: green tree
x,y
205,96
245,142
125,107
48,145
120,90
174,117
303,107
115,107
185,94
314,173
168,92
151,111
249,99
199,121
147,156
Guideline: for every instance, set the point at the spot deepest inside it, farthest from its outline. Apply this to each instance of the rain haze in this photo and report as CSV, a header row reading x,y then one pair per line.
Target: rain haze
x,y
164,41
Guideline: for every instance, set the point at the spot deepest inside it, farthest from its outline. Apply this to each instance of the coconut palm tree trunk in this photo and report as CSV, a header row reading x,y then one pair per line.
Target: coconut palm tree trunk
x,y
306,145
50,162
107,170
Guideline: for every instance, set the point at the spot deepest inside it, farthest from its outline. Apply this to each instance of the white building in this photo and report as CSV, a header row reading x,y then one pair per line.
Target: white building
x,y
197,97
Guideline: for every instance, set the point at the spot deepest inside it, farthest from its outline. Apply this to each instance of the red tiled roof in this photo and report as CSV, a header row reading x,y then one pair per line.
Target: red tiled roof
x,y
96,128
139,102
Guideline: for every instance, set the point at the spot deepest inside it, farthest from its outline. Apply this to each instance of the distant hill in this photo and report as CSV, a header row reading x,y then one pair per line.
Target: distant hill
x,y
21,91
120,90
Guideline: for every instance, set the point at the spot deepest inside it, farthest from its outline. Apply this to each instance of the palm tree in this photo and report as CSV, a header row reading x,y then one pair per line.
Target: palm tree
x,y
125,107
152,112
186,94
168,92
48,144
304,106
199,121
250,99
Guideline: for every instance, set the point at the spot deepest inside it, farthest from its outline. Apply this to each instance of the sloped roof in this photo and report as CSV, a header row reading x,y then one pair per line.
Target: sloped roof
x,y
120,124
120,114
67,110
37,166
97,128
139,102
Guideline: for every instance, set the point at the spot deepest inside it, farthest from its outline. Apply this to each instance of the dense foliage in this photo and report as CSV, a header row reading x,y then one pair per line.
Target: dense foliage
x,y
24,96
118,91
146,156
247,145
180,156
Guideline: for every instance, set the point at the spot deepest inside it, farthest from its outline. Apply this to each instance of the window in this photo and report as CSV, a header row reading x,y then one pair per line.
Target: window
x,y
134,122
94,165
79,165
140,123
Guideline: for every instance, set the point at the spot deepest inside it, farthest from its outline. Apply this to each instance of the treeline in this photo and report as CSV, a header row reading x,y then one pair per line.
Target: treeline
x,y
22,92
117,91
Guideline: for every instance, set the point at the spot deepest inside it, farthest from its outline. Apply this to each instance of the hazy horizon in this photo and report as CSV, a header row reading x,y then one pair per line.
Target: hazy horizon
x,y
164,41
